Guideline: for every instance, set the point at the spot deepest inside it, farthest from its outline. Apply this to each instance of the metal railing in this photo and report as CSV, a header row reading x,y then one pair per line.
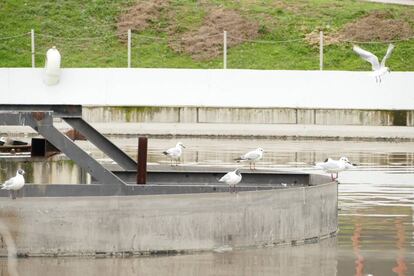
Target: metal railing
x,y
83,40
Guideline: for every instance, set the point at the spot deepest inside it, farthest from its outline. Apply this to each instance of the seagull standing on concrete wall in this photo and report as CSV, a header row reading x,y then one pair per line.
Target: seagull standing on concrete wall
x,y
232,179
251,157
15,183
379,69
335,166
175,152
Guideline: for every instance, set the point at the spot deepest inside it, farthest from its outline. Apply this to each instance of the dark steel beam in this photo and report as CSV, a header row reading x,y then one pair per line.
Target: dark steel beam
x,y
42,122
58,110
26,118
104,144
67,146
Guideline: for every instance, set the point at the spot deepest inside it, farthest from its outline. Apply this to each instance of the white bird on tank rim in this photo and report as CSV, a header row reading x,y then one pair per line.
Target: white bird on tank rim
x,y
232,179
335,166
175,152
251,157
15,183
379,68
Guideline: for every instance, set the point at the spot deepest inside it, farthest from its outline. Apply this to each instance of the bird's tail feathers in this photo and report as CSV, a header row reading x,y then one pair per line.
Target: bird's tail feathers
x,y
165,153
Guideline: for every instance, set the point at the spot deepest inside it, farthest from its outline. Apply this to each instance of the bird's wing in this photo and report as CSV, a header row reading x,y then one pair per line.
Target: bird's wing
x,y
225,177
8,182
251,155
173,151
368,56
388,54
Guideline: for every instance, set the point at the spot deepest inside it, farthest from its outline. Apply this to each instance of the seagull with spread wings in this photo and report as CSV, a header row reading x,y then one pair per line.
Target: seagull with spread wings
x,y
379,68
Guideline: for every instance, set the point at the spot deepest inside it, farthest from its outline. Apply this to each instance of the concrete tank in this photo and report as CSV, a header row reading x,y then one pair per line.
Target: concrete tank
x,y
165,216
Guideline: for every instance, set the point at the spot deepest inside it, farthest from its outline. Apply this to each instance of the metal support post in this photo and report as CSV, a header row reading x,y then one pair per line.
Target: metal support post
x,y
142,160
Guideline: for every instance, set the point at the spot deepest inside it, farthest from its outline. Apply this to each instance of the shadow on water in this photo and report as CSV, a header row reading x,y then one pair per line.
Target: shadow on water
x,y
376,217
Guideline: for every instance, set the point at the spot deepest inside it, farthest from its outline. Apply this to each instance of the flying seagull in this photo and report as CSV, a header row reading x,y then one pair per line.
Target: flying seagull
x,y
335,166
175,152
251,157
15,183
232,179
379,69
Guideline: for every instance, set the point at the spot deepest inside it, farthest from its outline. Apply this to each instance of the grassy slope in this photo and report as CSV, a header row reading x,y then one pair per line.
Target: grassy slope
x,y
96,18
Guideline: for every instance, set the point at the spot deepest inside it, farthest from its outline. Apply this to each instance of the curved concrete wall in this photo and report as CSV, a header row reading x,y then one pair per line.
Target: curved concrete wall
x,y
210,88
164,223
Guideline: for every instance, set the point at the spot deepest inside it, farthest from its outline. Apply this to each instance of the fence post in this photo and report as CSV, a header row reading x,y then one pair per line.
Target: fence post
x,y
321,50
129,48
33,47
224,49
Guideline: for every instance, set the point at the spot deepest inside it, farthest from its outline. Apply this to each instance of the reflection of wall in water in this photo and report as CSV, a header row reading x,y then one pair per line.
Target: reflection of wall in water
x,y
310,259
45,172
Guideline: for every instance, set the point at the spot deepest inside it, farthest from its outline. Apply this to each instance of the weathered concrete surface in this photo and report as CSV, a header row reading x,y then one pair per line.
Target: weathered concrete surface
x,y
219,115
173,223
397,2
277,131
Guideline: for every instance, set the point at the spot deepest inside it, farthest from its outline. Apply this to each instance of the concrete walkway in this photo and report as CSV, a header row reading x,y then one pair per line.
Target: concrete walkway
x,y
279,131
398,2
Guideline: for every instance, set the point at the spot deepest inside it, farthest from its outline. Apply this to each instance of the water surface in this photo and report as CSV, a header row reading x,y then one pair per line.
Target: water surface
x,y
376,217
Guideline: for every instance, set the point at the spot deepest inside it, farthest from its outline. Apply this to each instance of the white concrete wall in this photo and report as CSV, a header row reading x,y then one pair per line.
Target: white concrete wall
x,y
209,88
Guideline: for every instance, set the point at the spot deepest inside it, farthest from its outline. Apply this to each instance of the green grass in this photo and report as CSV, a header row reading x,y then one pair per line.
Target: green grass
x,y
64,22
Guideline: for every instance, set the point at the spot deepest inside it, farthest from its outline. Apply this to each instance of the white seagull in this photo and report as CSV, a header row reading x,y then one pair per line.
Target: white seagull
x,y
232,178
335,166
2,141
14,183
379,69
7,141
175,152
251,157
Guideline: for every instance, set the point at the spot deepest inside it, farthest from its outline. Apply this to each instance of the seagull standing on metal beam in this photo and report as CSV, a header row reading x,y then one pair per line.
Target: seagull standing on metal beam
x,y
175,152
379,69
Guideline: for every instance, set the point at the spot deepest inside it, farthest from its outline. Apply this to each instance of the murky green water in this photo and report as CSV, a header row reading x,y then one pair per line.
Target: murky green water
x,y
376,217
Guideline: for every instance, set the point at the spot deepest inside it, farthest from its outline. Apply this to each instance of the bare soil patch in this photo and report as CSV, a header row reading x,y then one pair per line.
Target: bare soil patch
x,y
206,42
140,16
376,26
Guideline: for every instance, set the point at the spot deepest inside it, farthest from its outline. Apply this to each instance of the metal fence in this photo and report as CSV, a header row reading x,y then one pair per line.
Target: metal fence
x,y
81,41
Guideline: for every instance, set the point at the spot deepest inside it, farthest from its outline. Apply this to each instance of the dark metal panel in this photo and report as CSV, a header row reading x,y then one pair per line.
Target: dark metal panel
x,y
58,110
104,144
26,118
